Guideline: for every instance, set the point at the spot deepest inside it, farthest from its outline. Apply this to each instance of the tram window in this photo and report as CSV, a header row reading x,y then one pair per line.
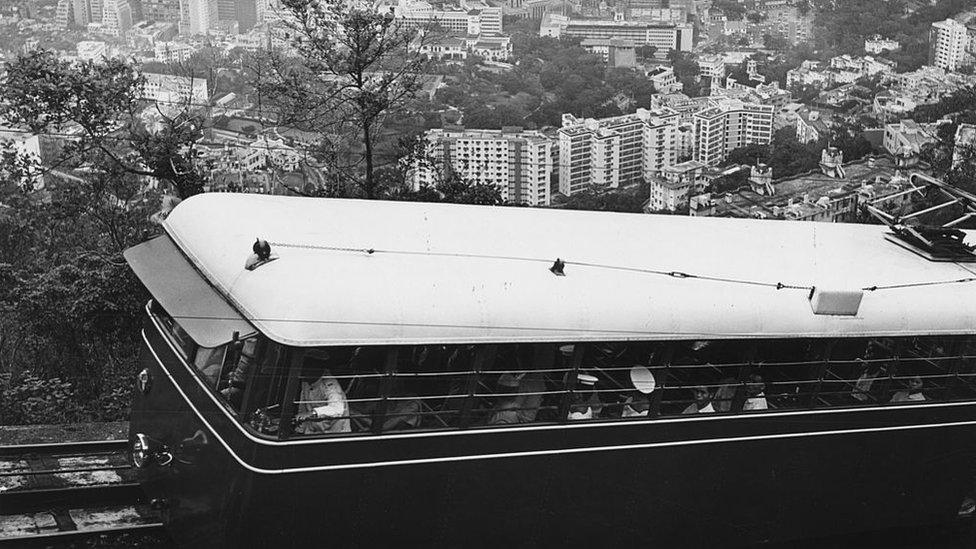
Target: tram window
x,y
859,372
337,389
928,369
616,380
434,387
712,376
522,384
790,371
174,332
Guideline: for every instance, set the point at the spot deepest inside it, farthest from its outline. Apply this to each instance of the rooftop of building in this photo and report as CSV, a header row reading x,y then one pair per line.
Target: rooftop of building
x,y
507,132
879,175
684,167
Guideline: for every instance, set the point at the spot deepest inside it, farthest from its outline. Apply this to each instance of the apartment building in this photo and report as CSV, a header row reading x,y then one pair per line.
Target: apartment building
x,y
728,125
712,66
516,161
176,91
947,42
116,17
466,19
616,151
664,36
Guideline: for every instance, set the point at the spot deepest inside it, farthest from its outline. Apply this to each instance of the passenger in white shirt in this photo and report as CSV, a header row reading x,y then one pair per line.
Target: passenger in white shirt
x,y
914,392
702,403
322,404
755,394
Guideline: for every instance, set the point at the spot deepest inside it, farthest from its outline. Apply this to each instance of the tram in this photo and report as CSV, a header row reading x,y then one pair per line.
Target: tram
x,y
362,373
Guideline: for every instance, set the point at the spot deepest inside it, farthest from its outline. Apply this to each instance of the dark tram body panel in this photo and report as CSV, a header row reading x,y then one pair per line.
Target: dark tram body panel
x,y
813,422
740,480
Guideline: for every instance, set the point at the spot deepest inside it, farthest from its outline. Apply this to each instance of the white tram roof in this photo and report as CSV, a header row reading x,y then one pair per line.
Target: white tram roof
x,y
452,273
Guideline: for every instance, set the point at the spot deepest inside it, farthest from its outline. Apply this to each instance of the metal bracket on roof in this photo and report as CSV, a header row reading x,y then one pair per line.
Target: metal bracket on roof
x,y
557,267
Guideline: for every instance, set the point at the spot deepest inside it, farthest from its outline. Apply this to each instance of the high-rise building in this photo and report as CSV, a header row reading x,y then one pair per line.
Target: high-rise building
x,y
247,14
116,17
518,162
615,151
197,16
227,10
161,10
64,16
728,125
947,42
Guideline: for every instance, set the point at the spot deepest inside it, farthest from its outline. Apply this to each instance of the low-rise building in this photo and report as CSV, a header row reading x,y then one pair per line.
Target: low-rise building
x,y
670,190
664,36
175,92
813,124
616,52
907,138
91,50
876,44
172,52
832,193
712,66
965,144
664,79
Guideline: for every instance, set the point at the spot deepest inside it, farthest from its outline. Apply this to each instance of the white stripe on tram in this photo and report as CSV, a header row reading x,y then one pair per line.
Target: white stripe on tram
x,y
539,452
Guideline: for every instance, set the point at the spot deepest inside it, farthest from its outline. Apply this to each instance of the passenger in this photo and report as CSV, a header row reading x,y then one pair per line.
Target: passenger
x,y
872,372
702,403
515,406
322,406
755,394
586,404
724,395
914,392
236,380
637,404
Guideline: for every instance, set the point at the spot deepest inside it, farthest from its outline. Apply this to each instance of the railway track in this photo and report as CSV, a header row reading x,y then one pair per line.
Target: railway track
x,y
54,493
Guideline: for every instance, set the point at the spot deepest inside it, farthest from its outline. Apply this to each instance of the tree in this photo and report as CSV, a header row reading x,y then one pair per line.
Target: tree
x,y
750,154
93,112
68,300
686,70
354,69
646,51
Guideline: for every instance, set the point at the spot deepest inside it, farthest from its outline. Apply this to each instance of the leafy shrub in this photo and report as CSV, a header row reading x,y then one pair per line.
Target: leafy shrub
x,y
29,399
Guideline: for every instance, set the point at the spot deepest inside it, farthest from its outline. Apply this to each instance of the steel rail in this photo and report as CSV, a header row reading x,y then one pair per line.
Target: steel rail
x,y
48,539
65,448
42,499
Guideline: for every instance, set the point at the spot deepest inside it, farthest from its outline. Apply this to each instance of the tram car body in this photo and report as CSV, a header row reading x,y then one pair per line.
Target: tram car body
x,y
442,375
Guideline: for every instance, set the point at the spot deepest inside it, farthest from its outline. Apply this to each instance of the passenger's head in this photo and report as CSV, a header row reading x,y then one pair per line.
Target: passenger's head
x,y
915,384
315,363
702,394
508,383
756,386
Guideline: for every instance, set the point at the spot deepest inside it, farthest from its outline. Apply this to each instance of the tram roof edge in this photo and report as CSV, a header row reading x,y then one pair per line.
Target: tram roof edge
x,y
354,272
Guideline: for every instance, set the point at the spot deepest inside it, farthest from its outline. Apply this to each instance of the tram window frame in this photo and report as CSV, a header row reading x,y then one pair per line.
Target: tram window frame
x,y
795,375
173,332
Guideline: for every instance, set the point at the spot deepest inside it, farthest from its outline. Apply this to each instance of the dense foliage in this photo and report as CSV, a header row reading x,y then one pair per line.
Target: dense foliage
x,y
842,27
549,77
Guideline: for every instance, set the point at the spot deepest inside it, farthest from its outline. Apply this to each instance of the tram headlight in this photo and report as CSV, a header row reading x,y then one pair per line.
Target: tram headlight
x,y
144,381
141,453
